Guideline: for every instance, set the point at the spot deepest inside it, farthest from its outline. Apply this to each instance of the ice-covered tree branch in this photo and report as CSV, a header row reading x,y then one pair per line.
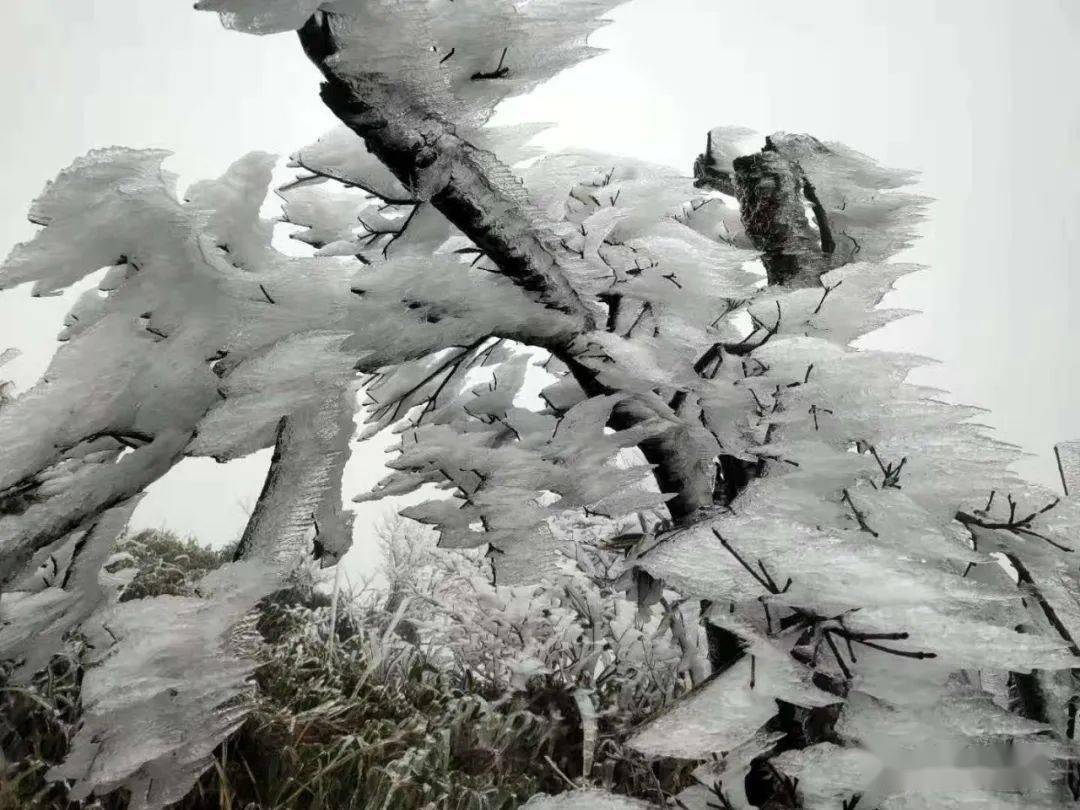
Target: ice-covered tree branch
x,y
467,184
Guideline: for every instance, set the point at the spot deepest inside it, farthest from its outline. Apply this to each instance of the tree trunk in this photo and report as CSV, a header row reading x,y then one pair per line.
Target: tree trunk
x,y
299,509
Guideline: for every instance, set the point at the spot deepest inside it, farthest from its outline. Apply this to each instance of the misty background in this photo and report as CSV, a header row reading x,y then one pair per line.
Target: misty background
x,y
978,95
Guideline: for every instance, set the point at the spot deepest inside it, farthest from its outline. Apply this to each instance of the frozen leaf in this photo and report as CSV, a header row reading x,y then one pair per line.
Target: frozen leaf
x,y
720,715
341,155
75,585
261,16
585,799
170,683
828,774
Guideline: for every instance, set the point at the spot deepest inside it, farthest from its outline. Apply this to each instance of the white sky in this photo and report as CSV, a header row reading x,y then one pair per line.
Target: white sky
x,y
977,94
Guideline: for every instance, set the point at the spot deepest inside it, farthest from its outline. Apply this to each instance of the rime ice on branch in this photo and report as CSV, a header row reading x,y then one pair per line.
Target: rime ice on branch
x,y
840,533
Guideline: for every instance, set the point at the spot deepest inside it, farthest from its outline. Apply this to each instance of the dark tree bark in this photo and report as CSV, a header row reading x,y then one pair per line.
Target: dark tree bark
x,y
783,215
711,172
465,183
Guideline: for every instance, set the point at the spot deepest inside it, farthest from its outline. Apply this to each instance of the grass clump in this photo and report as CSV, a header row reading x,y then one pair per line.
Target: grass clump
x,y
165,564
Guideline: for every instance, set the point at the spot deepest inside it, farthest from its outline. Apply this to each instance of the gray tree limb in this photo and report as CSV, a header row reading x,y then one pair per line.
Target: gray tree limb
x,y
468,185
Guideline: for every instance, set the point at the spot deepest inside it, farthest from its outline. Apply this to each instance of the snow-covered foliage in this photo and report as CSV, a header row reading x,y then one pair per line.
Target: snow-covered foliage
x,y
569,628
886,605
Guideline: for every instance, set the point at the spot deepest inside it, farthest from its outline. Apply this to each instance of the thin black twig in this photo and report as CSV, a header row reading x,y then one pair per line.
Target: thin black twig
x,y
825,295
860,517
891,474
764,578
1021,526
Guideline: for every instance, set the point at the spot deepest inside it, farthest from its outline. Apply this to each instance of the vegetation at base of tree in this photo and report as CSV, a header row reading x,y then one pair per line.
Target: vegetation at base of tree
x,y
371,720
36,722
165,564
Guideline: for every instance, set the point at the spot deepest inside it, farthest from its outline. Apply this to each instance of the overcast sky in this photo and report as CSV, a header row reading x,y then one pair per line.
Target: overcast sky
x,y
979,95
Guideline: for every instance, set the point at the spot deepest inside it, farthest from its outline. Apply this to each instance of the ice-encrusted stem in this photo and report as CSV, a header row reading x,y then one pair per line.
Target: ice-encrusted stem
x,y
41,524
468,185
300,503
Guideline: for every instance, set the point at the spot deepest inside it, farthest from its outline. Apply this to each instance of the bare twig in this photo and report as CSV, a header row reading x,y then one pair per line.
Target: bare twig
x,y
1021,526
860,517
825,295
